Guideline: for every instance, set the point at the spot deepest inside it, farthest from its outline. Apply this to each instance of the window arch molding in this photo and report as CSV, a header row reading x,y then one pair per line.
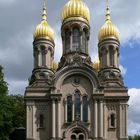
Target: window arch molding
x,y
76,25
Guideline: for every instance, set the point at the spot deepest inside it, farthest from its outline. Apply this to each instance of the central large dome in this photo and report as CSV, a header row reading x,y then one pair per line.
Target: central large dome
x,y
74,9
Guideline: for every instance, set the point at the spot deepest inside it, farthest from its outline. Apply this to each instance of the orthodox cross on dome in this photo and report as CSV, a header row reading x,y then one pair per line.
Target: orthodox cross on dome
x,y
44,15
107,11
107,3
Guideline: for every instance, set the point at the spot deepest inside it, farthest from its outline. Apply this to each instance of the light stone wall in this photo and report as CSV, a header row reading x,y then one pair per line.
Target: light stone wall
x,y
33,130
68,87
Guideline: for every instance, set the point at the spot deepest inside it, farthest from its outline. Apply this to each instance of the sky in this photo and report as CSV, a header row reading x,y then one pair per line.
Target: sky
x,y
18,19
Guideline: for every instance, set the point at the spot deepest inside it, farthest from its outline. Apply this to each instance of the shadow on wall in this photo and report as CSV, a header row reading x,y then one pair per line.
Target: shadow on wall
x,y
18,134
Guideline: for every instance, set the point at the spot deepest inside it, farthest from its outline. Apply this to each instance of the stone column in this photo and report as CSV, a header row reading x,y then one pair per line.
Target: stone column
x,y
35,58
120,120
73,112
45,56
126,117
53,118
34,122
95,119
89,119
87,43
81,39
107,57
105,119
71,40
65,104
116,58
29,122
39,59
101,119
59,119
81,111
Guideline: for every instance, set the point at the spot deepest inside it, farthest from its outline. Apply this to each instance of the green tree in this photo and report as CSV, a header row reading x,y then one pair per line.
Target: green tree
x,y
18,111
5,113
3,84
5,118
135,137
12,110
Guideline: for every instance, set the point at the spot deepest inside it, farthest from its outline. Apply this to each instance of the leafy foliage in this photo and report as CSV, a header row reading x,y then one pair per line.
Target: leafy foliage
x,y
135,137
12,110
3,84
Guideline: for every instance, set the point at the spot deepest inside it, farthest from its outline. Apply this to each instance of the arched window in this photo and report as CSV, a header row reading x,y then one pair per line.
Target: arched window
x,y
81,137
73,137
85,109
76,39
84,42
77,104
41,120
111,56
69,108
67,40
77,135
43,56
112,120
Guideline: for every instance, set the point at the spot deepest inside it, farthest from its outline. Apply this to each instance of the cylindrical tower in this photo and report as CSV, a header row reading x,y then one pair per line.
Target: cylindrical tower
x,y
43,48
75,32
108,48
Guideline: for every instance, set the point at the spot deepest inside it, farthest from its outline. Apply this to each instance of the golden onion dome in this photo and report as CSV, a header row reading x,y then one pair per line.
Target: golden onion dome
x,y
43,29
74,9
96,64
108,30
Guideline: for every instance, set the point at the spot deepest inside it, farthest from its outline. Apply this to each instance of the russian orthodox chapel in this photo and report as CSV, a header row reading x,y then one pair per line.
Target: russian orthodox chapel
x,y
76,99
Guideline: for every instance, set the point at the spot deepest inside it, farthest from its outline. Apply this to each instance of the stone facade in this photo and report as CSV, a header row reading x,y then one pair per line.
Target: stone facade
x,y
76,102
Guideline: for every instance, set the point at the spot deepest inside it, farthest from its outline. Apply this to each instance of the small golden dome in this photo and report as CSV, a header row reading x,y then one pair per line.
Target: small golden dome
x,y
75,8
96,64
55,65
108,30
44,29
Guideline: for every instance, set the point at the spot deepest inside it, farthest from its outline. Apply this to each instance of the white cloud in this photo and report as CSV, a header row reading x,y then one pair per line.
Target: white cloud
x,y
134,113
134,128
134,98
58,44
124,14
17,87
123,70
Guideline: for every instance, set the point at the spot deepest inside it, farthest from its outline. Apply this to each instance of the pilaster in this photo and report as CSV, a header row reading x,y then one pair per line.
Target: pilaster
x,y
56,128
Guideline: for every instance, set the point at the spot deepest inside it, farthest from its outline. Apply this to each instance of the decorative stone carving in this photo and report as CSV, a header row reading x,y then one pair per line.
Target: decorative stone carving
x,y
111,77
74,60
76,81
42,76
